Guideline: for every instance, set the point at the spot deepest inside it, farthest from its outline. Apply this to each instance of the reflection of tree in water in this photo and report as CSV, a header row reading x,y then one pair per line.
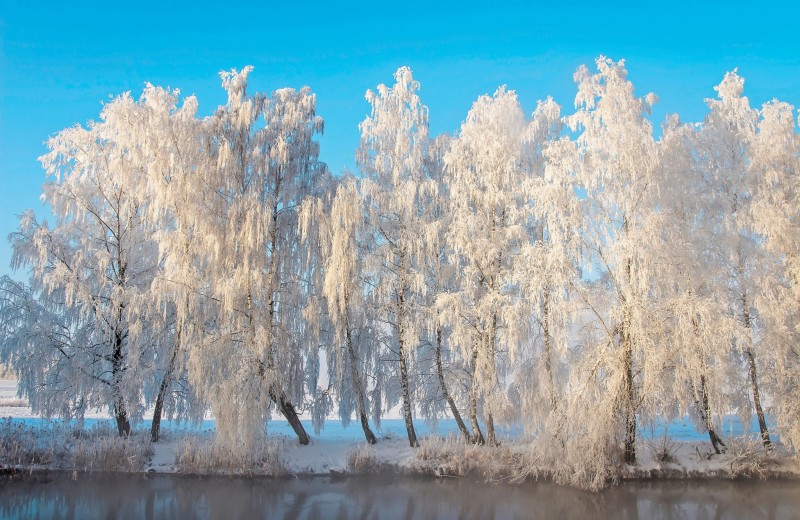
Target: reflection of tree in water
x,y
384,497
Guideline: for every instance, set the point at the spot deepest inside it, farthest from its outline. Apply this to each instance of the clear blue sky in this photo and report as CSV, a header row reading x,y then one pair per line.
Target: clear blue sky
x,y
60,60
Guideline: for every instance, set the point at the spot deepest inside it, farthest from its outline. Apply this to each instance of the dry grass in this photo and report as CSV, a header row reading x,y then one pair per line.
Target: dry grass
x,y
24,445
453,457
58,446
204,456
362,460
110,453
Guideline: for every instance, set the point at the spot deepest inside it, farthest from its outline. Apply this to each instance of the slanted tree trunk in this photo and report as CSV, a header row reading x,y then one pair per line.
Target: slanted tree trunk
x,y
357,382
440,371
155,427
477,435
715,439
288,411
746,321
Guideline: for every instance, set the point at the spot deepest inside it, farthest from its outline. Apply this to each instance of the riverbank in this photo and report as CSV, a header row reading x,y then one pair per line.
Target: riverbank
x,y
673,451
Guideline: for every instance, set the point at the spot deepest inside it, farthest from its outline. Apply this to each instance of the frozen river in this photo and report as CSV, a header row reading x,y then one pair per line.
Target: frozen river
x,y
384,497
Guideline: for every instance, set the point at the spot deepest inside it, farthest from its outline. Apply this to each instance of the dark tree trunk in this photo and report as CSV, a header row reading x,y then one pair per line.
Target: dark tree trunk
x,y
491,438
120,412
357,383
762,423
443,386
705,416
627,361
123,423
289,412
477,435
629,410
412,434
751,360
400,327
155,427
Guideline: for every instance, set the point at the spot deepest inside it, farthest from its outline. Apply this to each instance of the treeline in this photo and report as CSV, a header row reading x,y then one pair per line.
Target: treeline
x,y
574,273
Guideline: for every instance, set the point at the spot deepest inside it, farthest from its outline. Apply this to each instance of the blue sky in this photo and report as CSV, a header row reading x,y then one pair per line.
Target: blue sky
x,y
60,60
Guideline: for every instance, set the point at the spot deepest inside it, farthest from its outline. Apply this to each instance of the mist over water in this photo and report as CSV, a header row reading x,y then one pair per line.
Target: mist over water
x,y
386,497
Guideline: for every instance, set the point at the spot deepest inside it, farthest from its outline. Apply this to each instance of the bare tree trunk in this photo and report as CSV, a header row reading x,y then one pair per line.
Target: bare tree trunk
x,y
155,427
288,411
400,327
477,436
716,440
120,412
357,383
630,412
762,423
491,438
447,396
627,360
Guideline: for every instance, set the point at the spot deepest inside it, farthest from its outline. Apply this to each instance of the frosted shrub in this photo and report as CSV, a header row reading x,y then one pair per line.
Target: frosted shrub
x,y
362,460
662,450
748,458
214,457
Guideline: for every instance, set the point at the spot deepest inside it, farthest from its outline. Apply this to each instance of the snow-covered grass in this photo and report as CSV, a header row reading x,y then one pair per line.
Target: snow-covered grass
x,y
57,445
452,456
203,455
363,459
674,450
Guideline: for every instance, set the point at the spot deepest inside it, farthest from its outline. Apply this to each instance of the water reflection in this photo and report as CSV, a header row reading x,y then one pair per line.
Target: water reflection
x,y
385,497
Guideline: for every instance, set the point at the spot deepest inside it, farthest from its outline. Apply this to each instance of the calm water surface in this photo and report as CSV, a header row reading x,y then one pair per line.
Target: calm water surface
x,y
384,497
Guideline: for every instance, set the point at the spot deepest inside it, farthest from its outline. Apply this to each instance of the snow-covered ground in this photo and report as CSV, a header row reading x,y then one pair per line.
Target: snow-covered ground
x,y
328,451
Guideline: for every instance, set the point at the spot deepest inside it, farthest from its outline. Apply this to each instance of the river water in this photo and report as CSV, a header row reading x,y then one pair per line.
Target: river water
x,y
103,496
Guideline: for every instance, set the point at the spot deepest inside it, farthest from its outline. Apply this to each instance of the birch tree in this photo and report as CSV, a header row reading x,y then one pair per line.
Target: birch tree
x,y
775,162
259,178
391,153
724,148
98,261
618,164
483,176
548,265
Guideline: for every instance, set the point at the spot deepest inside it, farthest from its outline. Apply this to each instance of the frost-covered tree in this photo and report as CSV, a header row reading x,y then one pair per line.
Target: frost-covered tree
x,y
775,163
264,156
484,175
699,331
548,266
165,141
394,140
723,149
618,165
97,264
442,392
350,356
